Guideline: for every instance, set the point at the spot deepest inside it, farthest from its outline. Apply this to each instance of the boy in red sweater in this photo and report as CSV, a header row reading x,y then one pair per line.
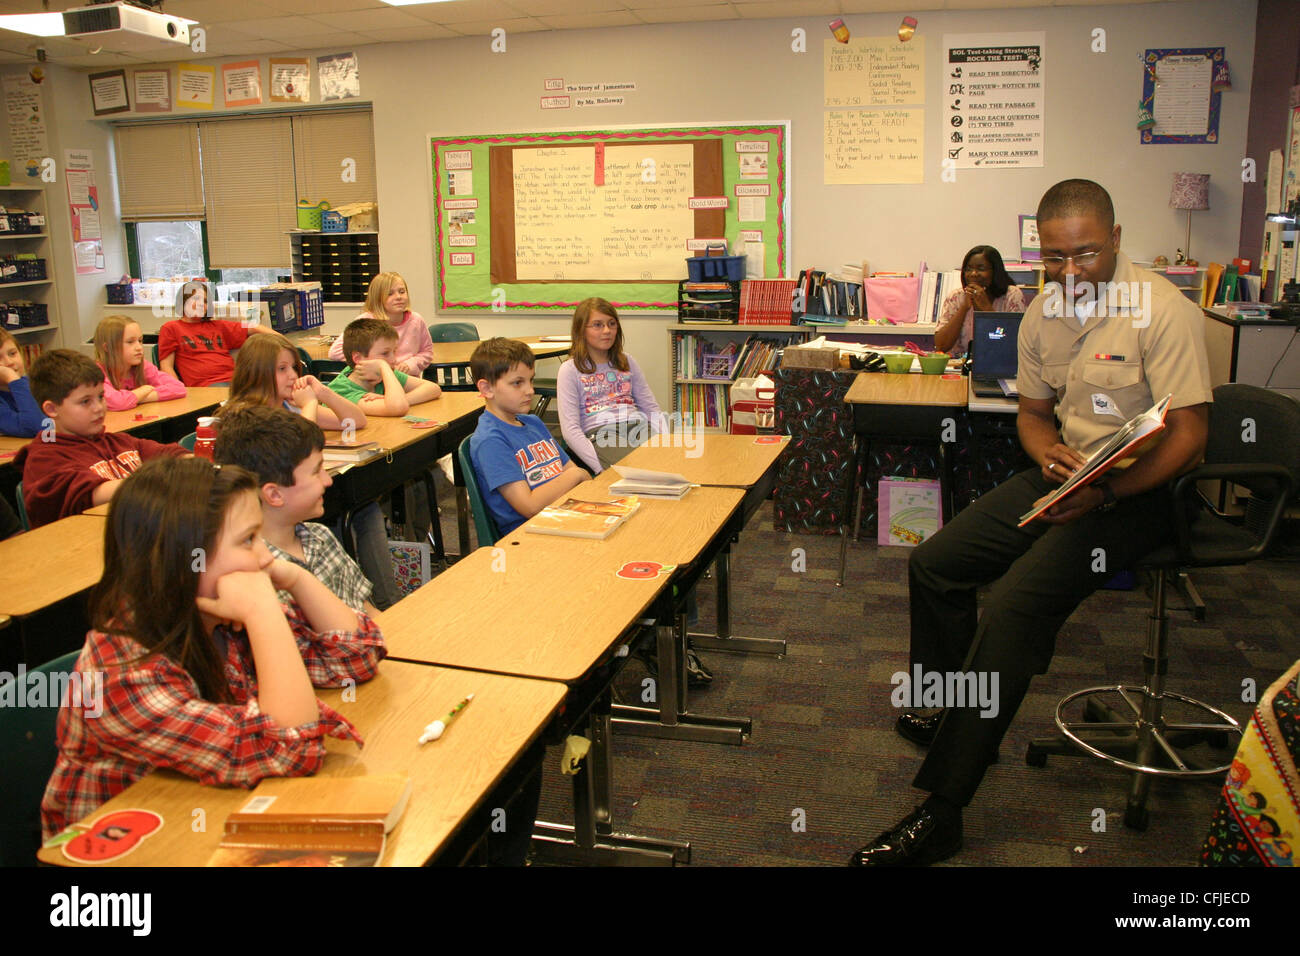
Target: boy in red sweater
x,y
74,464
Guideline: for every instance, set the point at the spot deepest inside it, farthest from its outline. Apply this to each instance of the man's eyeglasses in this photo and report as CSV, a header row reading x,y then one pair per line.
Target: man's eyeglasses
x,y
1082,260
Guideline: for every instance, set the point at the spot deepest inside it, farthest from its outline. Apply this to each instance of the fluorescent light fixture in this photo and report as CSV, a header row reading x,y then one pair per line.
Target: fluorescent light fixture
x,y
411,3
34,24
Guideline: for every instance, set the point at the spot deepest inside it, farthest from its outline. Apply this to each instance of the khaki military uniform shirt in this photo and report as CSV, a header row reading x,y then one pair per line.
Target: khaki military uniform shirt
x,y
1144,340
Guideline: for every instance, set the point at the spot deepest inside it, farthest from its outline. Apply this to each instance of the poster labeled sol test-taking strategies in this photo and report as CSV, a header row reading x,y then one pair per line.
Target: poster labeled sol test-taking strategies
x,y
994,93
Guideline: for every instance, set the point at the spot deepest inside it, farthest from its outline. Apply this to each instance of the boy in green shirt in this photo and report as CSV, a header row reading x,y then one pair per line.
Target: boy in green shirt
x,y
370,345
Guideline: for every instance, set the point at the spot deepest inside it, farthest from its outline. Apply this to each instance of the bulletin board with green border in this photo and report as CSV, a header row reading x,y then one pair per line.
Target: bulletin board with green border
x,y
466,283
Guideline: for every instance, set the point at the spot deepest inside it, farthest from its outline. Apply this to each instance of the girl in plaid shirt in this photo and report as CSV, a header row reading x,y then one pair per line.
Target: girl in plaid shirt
x,y
203,670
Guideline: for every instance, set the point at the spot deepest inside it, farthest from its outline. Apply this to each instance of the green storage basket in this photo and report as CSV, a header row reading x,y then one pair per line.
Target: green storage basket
x,y
309,214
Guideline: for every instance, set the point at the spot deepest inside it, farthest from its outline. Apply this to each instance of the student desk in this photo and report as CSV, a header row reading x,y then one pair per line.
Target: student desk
x,y
688,533
906,406
506,610
169,420
42,568
450,777
411,452
734,461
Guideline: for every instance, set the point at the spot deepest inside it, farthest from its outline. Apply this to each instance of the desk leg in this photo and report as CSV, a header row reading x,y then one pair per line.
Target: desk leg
x,y
672,720
591,840
946,482
435,523
723,640
853,509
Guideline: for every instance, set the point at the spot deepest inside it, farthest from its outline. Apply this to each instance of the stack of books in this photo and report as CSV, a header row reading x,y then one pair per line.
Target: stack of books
x,y
766,301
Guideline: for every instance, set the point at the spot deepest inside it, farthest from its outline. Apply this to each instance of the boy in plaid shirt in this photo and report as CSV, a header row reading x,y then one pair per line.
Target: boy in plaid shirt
x,y
193,664
284,451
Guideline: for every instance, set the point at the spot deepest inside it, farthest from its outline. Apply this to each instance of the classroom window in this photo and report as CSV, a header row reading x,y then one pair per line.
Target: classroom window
x,y
225,199
169,249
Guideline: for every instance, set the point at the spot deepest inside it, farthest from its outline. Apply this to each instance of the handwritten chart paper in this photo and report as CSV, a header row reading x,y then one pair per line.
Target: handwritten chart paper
x,y
567,227
28,142
874,71
994,97
874,146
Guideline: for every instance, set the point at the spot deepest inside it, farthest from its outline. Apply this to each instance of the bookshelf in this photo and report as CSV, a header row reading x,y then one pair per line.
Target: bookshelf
x,y
1189,283
706,357
32,336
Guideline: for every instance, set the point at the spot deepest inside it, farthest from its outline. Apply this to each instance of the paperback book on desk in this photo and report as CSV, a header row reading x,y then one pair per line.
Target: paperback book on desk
x,y
648,483
314,821
583,519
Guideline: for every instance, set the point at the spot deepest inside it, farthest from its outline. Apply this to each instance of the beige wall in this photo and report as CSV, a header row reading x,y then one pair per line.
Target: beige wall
x,y
739,71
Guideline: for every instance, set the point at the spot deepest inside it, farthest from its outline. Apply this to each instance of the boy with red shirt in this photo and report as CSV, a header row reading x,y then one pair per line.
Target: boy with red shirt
x,y
77,464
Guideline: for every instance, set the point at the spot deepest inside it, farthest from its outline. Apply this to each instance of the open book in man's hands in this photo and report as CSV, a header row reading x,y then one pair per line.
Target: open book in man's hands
x,y
1122,444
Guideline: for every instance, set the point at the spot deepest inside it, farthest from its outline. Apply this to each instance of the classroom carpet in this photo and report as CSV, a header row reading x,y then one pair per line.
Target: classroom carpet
x,y
824,772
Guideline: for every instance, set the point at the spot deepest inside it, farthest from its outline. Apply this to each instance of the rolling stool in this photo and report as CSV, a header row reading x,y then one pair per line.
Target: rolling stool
x,y
1138,734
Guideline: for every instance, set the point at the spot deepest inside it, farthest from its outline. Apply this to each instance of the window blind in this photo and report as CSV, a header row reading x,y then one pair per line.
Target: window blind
x,y
158,172
249,191
328,146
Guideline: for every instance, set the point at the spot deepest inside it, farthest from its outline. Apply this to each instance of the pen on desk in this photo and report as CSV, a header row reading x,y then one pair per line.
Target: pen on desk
x,y
436,729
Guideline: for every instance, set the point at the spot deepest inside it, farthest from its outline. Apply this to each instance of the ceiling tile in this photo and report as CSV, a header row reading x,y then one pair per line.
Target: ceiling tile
x,y
465,11
586,21
485,27
550,8
425,31
283,28
713,11
791,8
324,6
205,11
388,19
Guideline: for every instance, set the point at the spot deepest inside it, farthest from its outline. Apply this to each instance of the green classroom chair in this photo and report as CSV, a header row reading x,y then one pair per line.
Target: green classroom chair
x,y
28,743
153,355
485,528
21,508
187,442
306,360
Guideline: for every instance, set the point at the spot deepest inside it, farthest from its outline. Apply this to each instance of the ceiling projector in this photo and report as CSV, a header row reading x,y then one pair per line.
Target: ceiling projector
x,y
124,27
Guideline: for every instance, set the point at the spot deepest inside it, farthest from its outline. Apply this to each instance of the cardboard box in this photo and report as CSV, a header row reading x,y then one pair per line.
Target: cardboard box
x,y
810,358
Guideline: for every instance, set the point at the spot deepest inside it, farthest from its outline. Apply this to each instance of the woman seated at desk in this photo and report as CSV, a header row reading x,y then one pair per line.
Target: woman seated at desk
x,y
986,287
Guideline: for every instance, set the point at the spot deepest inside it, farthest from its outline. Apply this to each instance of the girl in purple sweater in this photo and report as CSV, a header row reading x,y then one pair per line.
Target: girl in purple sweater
x,y
606,407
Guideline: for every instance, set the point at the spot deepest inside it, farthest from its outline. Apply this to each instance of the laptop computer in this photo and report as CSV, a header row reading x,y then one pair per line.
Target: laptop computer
x,y
994,355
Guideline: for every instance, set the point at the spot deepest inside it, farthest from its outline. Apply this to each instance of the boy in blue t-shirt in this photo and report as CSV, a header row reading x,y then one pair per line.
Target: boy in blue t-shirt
x,y
521,469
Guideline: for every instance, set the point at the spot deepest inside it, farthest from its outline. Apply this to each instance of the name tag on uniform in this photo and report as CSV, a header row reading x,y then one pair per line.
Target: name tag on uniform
x,y
1103,404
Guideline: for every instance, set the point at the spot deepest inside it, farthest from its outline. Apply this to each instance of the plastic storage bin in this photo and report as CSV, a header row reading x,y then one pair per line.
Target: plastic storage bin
x,y
331,221
716,268
309,214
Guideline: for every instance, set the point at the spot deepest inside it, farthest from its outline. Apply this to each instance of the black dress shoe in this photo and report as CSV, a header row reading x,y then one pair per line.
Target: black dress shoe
x,y
919,840
918,728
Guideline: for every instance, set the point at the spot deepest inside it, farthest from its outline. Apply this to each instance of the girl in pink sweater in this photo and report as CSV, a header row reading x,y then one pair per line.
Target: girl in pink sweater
x,y
388,299
129,378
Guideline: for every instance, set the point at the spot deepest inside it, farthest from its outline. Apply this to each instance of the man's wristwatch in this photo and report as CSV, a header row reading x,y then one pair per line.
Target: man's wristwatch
x,y
1108,499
